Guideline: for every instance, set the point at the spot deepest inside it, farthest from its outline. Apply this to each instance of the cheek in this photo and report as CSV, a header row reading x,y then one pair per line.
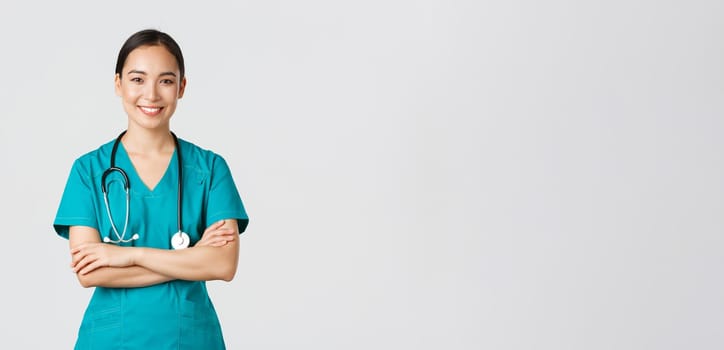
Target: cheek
x,y
129,94
170,93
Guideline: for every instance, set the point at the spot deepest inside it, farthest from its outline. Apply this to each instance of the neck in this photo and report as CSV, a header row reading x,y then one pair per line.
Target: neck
x,y
140,140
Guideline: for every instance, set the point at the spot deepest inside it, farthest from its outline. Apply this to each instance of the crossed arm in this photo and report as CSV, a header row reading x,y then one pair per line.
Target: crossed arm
x,y
214,257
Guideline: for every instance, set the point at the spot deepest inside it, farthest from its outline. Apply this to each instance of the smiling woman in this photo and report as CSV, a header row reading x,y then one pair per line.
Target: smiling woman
x,y
149,88
150,217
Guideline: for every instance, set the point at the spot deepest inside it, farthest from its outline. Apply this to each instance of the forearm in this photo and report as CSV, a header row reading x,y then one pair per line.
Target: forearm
x,y
193,264
122,277
214,257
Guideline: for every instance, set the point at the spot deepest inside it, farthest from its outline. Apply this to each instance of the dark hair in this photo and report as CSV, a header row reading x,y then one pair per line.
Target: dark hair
x,y
150,37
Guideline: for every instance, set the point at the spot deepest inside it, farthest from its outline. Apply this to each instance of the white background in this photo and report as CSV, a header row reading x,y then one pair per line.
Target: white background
x,y
419,174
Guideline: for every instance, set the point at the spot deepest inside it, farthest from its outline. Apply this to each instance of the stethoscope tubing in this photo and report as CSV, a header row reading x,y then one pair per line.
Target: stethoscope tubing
x,y
127,188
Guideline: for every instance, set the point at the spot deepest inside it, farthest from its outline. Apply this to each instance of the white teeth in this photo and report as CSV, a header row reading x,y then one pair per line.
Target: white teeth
x,y
150,109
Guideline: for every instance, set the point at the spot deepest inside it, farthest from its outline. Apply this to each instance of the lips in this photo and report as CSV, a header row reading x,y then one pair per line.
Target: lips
x,y
150,111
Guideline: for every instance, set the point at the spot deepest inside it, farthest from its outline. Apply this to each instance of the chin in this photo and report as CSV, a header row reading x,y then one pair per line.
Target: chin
x,y
150,124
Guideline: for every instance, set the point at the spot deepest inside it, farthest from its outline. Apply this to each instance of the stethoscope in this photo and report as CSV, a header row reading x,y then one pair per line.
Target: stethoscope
x,y
180,239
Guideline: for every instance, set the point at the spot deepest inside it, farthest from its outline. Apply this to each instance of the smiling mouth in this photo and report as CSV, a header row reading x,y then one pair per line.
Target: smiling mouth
x,y
150,111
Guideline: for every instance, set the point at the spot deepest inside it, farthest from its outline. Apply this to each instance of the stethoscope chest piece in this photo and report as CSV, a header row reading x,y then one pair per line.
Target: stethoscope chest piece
x,y
180,240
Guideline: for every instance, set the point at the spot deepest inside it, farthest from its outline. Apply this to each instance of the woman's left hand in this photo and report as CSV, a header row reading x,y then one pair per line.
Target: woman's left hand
x,y
87,257
217,236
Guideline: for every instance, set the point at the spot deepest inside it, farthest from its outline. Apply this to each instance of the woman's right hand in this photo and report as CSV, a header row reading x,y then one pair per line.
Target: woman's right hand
x,y
89,256
216,236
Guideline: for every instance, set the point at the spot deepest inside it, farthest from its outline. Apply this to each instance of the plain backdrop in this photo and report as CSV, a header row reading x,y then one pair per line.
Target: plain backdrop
x,y
434,174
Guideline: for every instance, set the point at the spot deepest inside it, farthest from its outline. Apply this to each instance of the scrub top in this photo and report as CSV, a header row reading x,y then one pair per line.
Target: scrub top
x,y
173,315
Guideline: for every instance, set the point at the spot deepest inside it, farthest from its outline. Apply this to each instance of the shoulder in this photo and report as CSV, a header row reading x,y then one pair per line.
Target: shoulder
x,y
94,161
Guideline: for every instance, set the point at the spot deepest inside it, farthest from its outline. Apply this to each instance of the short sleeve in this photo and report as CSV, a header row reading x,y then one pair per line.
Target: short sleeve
x,y
76,205
224,201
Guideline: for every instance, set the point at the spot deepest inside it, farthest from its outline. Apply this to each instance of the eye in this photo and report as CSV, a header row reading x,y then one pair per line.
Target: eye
x,y
167,81
137,80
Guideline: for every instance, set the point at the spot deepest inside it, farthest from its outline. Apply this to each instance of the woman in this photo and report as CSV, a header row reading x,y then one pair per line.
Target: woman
x,y
131,206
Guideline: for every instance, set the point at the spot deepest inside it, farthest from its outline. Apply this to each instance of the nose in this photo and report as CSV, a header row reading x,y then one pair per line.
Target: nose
x,y
151,92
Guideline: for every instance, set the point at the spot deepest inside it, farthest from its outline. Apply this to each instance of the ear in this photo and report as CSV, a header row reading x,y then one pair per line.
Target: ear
x,y
117,84
182,88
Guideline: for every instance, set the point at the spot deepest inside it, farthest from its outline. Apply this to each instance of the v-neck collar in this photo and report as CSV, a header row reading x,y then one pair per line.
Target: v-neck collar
x,y
164,185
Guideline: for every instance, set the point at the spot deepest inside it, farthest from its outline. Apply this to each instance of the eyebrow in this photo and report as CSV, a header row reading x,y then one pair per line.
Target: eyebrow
x,y
144,73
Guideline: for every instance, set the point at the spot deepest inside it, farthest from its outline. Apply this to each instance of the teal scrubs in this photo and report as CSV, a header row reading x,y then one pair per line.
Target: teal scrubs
x,y
173,315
